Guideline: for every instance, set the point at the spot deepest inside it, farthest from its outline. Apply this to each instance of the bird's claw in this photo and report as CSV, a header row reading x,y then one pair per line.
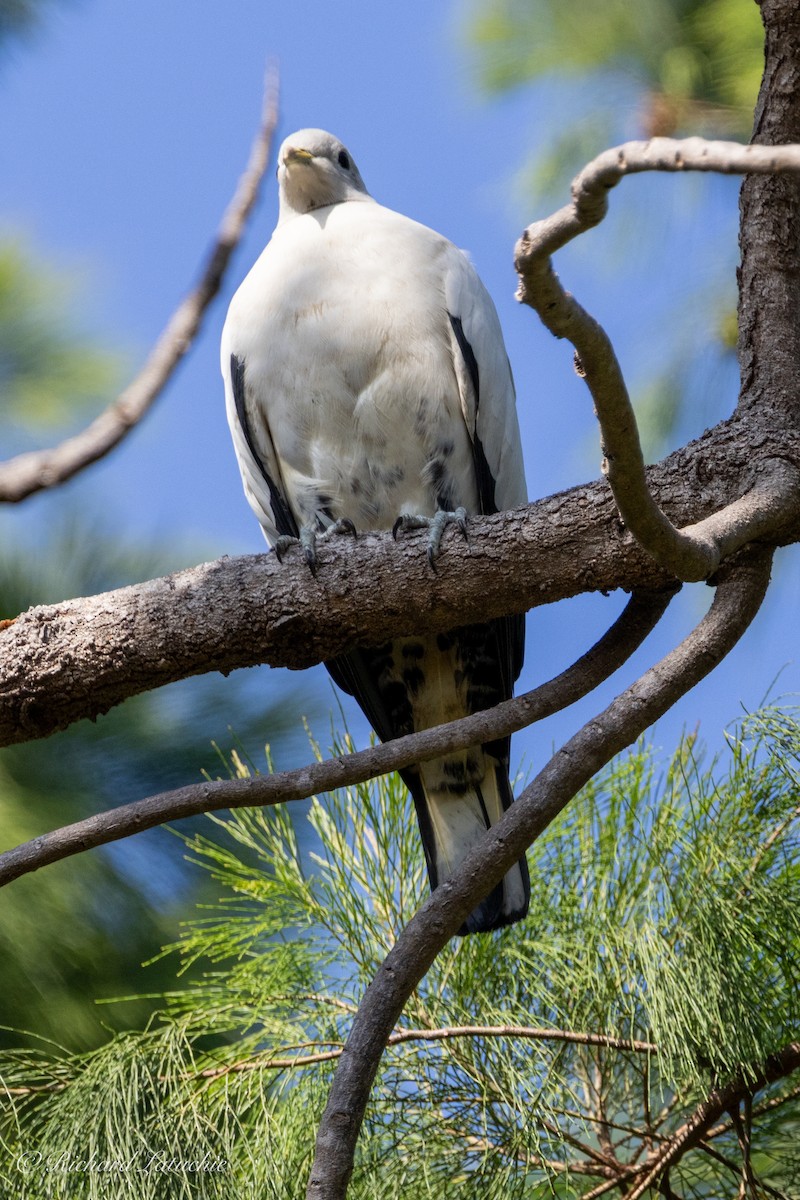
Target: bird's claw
x,y
342,525
307,541
436,526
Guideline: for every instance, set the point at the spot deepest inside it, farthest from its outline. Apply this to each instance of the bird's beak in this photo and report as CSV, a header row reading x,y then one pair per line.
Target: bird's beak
x,y
295,154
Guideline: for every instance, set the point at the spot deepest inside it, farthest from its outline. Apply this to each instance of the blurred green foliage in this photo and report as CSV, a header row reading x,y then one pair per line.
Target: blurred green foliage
x,y
698,62
79,931
49,368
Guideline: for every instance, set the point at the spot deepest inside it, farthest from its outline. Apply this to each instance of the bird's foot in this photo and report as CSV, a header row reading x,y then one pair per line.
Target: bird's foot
x,y
436,526
309,536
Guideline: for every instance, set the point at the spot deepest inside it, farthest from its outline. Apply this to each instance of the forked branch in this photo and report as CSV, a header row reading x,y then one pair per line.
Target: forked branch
x,y
640,615
694,552
740,590
32,472
726,1099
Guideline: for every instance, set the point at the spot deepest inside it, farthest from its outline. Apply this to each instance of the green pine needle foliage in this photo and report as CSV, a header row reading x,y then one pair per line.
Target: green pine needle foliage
x,y
665,908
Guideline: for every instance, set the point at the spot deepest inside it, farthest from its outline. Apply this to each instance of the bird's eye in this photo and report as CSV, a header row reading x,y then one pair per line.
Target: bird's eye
x,y
344,160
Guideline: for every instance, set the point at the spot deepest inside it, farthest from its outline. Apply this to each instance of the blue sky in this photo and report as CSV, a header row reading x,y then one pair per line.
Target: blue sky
x,y
123,130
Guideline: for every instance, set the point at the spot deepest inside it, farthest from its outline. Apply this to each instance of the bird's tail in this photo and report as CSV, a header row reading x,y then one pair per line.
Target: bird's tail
x,y
457,799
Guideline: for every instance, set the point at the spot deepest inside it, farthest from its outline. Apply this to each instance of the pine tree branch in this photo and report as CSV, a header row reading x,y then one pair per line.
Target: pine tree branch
x,y
639,617
740,590
722,1100
402,1036
695,551
760,1110
285,1062
36,470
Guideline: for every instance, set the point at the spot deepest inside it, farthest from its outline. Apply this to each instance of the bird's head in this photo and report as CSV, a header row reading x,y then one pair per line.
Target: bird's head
x,y
315,170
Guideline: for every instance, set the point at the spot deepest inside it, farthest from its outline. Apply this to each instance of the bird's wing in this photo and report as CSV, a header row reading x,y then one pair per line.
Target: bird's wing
x,y
486,387
258,462
488,404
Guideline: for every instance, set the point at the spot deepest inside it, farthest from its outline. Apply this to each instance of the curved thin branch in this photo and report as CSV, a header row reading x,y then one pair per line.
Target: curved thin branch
x,y
639,617
32,472
694,552
741,589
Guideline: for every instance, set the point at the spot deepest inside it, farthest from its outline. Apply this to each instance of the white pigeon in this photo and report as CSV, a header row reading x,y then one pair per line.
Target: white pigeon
x,y
367,384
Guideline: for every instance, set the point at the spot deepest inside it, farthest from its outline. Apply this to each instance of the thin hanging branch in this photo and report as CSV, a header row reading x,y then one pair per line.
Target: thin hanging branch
x,y
639,617
402,1037
740,591
694,552
32,472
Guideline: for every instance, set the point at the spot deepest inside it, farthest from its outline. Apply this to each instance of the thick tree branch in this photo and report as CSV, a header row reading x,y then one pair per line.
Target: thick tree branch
x,y
739,594
80,657
694,552
627,633
26,474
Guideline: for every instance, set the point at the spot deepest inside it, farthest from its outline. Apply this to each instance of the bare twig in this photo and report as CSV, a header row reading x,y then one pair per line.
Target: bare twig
x,y
744,1130
401,1036
285,1062
741,589
736,1169
695,551
627,633
26,474
766,1106
603,1124
486,1145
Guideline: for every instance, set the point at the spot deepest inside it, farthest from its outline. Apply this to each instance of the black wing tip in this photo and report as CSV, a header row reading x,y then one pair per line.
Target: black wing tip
x,y
491,914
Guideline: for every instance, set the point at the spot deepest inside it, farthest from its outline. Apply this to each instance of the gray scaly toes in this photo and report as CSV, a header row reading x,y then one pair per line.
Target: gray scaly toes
x,y
436,526
309,536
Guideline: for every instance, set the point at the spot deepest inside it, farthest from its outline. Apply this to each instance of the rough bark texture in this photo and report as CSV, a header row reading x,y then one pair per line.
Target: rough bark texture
x,y
769,278
81,657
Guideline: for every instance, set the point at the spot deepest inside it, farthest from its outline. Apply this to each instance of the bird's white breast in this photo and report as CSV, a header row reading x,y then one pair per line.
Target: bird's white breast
x,y
343,327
